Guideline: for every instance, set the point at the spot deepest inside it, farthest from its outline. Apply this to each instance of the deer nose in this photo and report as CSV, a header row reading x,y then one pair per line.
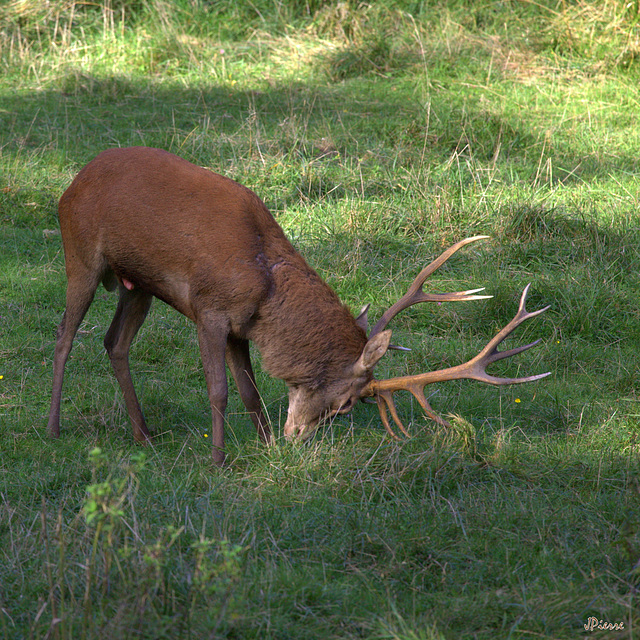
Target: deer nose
x,y
299,432
291,429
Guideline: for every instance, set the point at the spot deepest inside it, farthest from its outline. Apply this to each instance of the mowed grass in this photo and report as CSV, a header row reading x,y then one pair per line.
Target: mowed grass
x,y
378,134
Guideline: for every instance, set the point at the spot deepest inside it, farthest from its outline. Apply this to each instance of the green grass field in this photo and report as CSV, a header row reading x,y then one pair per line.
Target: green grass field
x,y
378,134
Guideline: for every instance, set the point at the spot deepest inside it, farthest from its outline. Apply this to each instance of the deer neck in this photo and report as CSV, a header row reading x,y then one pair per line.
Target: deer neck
x,y
305,335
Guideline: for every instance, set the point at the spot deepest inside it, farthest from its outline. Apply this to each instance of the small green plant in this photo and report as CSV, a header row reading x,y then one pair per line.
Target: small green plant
x,y
104,510
217,574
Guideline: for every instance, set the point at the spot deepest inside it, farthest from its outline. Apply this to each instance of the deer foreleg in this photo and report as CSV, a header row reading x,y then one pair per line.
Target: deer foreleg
x,y
239,363
212,337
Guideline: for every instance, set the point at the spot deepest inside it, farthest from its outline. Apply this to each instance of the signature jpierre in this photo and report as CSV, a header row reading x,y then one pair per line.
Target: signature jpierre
x,y
602,625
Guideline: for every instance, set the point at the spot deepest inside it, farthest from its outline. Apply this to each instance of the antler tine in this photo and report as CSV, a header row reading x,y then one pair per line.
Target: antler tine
x,y
491,354
385,400
474,369
415,294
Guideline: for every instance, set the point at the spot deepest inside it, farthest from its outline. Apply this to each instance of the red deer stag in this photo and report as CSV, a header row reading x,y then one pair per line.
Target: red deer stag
x,y
153,224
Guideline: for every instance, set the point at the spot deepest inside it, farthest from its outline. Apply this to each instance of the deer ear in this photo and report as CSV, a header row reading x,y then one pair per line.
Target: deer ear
x,y
375,348
361,320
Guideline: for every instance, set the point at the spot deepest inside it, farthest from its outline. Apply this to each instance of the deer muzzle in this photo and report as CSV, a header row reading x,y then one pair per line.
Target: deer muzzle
x,y
294,431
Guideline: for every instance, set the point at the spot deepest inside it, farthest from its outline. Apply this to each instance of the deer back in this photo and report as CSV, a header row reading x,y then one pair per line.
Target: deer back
x,y
190,237
201,241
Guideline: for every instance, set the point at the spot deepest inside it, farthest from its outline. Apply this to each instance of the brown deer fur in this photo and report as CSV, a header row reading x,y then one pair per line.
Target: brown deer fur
x,y
154,224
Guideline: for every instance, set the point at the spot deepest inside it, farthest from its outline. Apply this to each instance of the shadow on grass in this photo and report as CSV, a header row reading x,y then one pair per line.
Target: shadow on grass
x,y
70,123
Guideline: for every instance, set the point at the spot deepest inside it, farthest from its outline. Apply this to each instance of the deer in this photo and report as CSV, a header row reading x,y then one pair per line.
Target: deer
x,y
151,224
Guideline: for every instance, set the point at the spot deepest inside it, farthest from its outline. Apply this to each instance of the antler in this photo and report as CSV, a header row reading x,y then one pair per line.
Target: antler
x,y
474,369
415,294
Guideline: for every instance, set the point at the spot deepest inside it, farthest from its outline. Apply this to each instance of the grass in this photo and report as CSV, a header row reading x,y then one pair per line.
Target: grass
x,y
378,134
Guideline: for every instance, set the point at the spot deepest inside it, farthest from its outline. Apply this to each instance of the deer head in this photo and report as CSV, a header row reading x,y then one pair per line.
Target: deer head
x,y
306,409
309,407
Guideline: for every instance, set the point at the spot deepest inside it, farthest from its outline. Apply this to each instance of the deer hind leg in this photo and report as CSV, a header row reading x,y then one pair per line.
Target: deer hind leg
x,y
80,292
133,307
239,363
